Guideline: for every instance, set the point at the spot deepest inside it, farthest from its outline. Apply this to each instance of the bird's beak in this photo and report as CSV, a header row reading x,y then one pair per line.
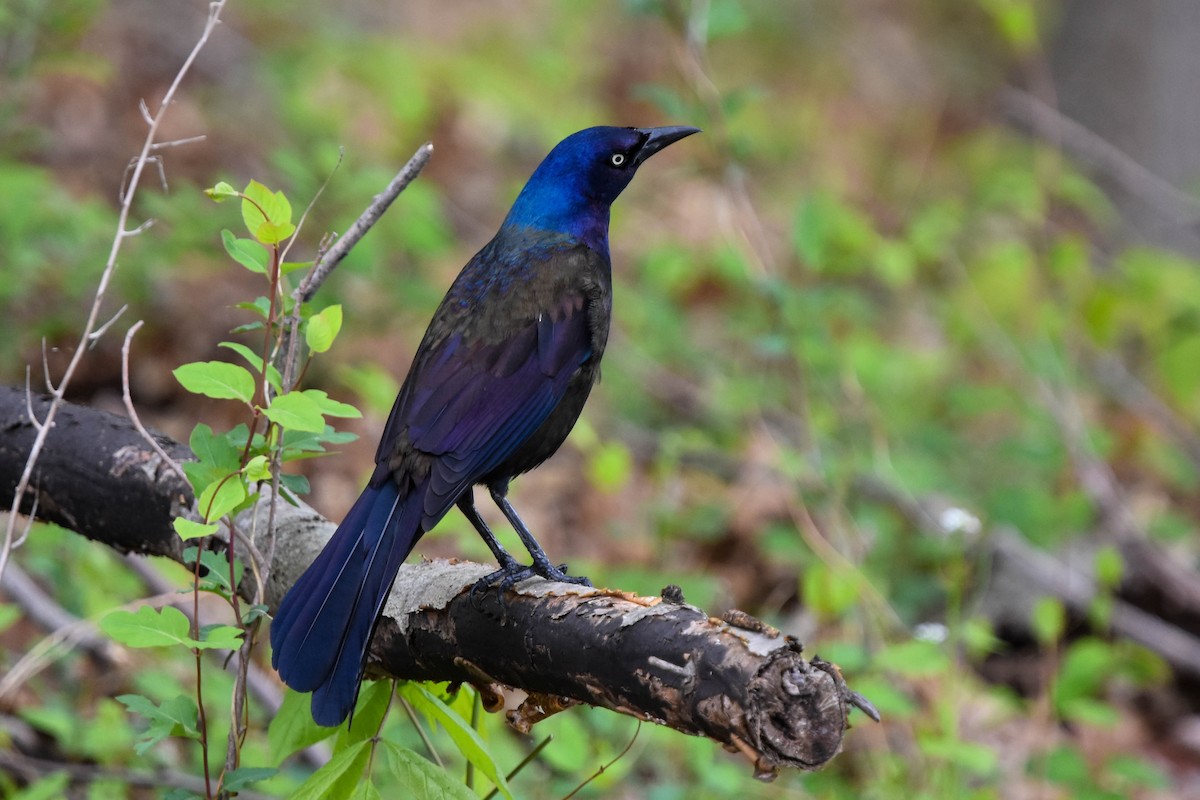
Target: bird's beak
x,y
658,138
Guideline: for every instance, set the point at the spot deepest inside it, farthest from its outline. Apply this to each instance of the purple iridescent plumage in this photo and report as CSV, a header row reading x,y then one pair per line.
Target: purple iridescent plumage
x,y
496,385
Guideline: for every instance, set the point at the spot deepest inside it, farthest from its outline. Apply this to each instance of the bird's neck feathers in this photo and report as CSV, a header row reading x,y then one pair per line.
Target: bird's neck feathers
x,y
555,201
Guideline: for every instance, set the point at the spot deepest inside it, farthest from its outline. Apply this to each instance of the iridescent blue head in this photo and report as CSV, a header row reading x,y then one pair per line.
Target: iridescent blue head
x,y
574,186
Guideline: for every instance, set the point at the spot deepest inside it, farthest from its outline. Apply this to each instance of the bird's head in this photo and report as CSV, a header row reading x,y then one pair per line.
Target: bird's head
x,y
574,186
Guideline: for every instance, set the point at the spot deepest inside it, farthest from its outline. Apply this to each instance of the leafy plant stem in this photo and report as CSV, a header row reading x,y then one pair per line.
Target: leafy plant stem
x,y
521,765
201,718
600,771
412,716
476,706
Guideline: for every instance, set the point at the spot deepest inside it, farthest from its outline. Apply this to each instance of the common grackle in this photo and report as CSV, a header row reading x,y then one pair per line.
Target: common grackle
x,y
495,387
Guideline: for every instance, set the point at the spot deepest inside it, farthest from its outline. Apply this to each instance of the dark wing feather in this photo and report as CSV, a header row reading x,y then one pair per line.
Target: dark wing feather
x,y
470,406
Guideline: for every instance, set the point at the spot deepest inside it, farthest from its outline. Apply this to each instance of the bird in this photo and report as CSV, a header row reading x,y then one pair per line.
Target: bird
x,y
497,382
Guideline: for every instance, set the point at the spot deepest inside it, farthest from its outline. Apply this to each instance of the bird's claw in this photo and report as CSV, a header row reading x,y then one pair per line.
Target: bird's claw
x,y
513,573
559,573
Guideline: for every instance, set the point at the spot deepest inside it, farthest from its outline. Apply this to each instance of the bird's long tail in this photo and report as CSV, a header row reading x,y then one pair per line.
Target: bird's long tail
x,y
319,635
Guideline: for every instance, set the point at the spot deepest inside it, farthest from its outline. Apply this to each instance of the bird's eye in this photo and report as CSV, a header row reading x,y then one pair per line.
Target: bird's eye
x,y
617,159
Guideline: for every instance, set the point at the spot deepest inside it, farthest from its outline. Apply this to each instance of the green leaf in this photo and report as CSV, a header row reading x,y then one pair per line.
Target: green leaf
x,y
323,328
297,484
272,233
216,379
366,791
221,192
339,777
242,777
267,214
216,451
260,305
174,717
216,575
1049,620
314,442
247,252
221,637
147,627
373,701
466,738
416,777
257,469
292,729
331,407
179,793
254,612
253,358
190,529
217,457
297,411
288,267
222,496
254,211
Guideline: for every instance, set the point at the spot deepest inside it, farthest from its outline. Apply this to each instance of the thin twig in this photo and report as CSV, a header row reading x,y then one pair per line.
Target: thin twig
x,y
132,412
407,174
412,716
604,767
214,15
179,142
329,255
33,420
103,329
311,204
524,762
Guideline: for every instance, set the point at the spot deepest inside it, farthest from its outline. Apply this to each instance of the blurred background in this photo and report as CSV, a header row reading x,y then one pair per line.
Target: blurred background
x,y
905,358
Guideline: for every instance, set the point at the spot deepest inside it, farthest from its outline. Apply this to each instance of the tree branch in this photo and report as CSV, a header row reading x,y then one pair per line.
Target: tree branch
x,y
548,646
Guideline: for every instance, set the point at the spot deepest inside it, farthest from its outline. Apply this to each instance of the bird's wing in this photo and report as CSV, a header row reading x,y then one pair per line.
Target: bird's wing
x,y
470,405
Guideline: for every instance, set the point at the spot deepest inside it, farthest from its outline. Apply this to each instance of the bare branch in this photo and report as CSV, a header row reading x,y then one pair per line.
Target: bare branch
x,y
96,334
178,142
735,680
139,230
214,15
407,174
132,412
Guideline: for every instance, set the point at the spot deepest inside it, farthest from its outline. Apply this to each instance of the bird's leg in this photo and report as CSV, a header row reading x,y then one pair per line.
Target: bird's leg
x,y
466,504
510,571
541,562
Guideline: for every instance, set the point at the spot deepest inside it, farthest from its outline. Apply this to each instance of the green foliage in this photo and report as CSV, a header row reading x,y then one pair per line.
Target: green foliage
x,y
465,738
841,281
292,728
149,628
175,717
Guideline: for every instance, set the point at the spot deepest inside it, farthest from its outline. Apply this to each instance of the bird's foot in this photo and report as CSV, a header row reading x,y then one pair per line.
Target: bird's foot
x,y
512,573
559,573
